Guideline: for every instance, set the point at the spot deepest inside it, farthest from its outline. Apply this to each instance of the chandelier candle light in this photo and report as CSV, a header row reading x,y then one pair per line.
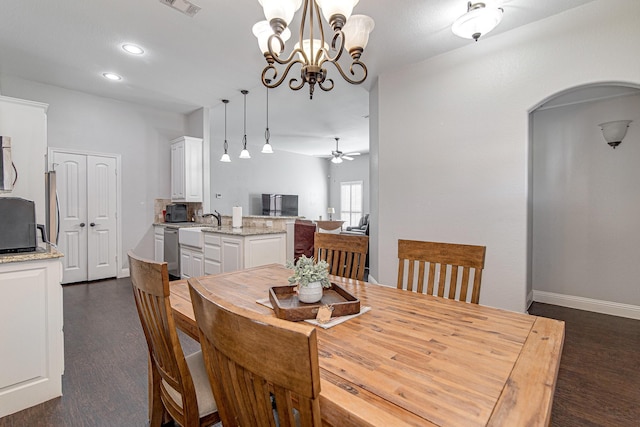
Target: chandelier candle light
x,y
350,33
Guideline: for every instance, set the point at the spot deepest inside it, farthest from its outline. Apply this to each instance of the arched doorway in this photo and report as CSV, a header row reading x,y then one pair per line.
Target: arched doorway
x,y
585,201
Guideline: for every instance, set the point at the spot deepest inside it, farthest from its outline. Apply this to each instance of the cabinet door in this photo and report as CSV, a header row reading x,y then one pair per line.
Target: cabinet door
x,y
197,264
185,263
212,254
177,171
263,250
158,244
232,254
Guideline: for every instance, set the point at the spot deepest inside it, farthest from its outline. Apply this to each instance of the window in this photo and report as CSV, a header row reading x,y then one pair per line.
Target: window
x,y
351,203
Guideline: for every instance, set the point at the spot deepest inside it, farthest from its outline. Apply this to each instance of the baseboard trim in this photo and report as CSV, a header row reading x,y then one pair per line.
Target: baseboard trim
x,y
372,279
123,273
581,303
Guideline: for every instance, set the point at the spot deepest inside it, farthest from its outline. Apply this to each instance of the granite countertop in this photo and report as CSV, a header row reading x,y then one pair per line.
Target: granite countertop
x,y
180,224
48,252
244,231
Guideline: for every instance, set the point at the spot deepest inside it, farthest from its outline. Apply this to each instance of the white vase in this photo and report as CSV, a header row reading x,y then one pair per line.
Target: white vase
x,y
310,293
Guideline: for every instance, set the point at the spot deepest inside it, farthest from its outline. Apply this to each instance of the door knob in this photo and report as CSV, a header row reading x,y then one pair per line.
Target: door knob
x,y
82,224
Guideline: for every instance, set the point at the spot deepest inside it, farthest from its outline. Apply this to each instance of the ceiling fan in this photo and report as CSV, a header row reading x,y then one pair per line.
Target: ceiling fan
x,y
338,155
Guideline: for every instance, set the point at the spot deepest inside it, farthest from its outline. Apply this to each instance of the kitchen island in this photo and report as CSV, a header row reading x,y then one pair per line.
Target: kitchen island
x,y
206,249
32,350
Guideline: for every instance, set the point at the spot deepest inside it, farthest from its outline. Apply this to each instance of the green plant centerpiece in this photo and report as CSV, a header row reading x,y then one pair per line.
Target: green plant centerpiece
x,y
311,278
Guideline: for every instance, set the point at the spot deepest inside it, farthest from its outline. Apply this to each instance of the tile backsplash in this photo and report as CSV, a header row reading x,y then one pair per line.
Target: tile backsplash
x,y
160,204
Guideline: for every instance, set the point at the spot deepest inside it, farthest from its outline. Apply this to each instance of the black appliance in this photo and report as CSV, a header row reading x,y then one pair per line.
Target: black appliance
x,y
176,212
279,205
18,225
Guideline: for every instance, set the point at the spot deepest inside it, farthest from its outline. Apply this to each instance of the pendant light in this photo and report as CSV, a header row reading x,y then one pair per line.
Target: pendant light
x,y
244,154
225,157
267,148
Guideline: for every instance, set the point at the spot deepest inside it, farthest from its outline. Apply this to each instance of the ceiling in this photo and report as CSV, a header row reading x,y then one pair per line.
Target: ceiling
x,y
191,62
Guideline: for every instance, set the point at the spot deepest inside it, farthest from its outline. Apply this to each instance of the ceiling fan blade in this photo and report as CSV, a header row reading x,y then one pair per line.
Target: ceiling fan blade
x,y
351,154
347,157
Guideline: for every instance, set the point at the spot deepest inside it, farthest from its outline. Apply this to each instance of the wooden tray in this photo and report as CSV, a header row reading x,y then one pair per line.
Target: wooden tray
x,y
287,306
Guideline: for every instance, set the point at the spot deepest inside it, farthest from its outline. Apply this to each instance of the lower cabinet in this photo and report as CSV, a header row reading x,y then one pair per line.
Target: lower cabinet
x,y
191,262
224,253
31,336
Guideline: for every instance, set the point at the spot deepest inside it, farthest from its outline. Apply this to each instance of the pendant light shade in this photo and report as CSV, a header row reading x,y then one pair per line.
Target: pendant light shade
x,y
266,148
244,154
225,157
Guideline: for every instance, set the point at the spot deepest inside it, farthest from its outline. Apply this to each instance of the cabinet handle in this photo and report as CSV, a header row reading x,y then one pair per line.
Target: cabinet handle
x,y
93,224
82,224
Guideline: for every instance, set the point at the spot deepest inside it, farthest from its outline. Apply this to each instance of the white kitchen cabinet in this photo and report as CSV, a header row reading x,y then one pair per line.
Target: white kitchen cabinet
x,y
232,254
224,253
212,254
32,349
186,169
158,243
191,262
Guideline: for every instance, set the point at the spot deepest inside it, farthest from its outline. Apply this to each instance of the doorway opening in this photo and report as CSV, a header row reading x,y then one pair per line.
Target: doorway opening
x,y
584,210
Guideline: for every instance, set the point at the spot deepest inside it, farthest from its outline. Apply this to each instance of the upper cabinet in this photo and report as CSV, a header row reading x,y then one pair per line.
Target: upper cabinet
x,y
186,169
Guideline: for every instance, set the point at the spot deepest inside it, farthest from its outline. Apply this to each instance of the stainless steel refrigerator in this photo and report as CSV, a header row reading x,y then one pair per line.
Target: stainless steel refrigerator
x,y
52,209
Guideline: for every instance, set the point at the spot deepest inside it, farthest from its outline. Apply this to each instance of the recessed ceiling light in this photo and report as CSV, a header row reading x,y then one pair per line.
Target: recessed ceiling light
x,y
111,76
132,49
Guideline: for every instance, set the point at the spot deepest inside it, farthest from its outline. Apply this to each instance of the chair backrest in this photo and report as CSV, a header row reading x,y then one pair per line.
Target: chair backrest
x,y
257,363
151,291
445,262
345,254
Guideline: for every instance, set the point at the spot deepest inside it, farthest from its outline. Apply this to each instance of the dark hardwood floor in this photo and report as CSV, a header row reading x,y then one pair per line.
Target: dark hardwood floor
x,y
105,380
599,377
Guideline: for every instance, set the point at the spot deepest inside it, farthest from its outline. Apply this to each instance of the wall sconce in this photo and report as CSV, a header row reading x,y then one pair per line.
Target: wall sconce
x,y
614,132
331,211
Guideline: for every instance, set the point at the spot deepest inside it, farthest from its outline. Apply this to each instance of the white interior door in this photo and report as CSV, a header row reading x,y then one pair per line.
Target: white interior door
x,y
87,193
101,214
71,173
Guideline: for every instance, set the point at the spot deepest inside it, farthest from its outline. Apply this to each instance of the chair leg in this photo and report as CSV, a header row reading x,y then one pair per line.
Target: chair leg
x,y
156,408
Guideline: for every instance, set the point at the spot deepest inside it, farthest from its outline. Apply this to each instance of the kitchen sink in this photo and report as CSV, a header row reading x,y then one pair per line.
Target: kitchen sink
x,y
191,236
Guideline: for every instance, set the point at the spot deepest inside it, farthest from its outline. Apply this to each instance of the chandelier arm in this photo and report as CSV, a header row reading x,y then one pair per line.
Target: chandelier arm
x,y
298,87
274,81
352,81
337,35
270,42
328,88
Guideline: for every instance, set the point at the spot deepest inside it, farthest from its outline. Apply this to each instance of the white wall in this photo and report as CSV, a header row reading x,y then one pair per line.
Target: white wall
x,y
141,135
242,181
586,204
355,170
464,117
25,122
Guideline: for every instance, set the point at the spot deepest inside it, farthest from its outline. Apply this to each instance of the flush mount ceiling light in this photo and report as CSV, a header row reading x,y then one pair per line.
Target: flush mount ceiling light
x,y
350,33
225,157
478,21
244,154
614,132
132,49
112,76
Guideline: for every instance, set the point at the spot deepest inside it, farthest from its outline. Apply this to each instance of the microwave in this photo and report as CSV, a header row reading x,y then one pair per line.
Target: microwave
x,y
176,212
18,225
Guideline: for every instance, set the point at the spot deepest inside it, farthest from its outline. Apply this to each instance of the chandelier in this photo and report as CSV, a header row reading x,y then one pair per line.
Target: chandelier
x,y
350,33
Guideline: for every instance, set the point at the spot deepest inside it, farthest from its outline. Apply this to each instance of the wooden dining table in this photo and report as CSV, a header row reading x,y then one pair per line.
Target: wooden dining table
x,y
413,359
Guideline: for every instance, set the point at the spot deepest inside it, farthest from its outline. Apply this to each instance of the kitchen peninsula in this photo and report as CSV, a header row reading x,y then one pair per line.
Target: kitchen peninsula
x,y
205,249
32,350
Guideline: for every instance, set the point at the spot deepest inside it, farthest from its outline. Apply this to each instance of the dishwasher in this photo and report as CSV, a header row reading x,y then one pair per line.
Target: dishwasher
x,y
172,252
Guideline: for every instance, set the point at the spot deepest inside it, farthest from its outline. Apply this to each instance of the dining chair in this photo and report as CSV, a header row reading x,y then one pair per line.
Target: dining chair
x,y
445,261
263,370
345,254
178,385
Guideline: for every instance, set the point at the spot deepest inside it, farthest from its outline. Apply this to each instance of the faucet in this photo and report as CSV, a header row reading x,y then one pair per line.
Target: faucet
x,y
216,215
